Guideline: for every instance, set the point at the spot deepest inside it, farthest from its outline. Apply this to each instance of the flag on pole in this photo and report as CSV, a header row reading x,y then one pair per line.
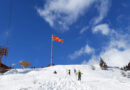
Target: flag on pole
x,y
55,38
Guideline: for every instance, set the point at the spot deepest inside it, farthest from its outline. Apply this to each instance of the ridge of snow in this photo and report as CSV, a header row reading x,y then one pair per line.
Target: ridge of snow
x,y
45,79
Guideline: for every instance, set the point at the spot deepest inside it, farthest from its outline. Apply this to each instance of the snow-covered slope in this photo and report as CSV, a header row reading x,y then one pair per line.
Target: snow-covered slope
x,y
45,79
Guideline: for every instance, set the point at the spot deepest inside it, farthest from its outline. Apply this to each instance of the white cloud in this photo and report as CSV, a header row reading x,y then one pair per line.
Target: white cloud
x,y
117,52
88,49
116,57
83,29
84,50
102,9
84,62
93,60
103,28
63,13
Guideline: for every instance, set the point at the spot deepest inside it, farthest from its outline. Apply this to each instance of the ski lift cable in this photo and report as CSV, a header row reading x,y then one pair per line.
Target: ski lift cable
x,y
9,19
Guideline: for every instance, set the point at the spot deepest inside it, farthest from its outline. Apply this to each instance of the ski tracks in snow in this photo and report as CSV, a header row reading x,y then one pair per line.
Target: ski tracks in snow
x,y
62,82
45,79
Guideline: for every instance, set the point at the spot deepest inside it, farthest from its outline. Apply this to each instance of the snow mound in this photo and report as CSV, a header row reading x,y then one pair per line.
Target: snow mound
x,y
45,79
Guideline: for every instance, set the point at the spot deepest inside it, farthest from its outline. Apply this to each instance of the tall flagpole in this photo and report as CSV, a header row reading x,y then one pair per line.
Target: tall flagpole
x,y
51,52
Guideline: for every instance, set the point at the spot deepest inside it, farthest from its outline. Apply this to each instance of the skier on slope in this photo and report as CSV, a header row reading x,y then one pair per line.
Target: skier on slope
x,y
79,75
69,71
55,72
75,71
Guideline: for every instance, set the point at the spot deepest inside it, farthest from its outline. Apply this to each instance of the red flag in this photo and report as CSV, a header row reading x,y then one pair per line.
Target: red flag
x,y
55,38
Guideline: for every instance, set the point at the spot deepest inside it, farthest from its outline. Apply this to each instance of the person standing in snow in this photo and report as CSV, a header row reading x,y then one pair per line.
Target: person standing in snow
x,y
69,71
75,71
55,72
79,75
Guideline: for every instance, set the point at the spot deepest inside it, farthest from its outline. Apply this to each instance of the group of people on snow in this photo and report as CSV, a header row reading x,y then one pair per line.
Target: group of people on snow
x,y
76,72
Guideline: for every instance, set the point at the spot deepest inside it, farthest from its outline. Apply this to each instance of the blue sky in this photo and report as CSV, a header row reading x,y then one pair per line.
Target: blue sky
x,y
90,28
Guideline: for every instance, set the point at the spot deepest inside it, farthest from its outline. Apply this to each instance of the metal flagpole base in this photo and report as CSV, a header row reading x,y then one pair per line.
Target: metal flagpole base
x,y
51,65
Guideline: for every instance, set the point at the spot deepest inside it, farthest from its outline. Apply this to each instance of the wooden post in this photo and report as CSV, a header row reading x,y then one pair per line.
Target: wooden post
x,y
0,60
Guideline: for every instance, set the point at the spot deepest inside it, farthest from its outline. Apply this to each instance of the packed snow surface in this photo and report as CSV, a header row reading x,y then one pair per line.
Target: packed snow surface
x,y
45,79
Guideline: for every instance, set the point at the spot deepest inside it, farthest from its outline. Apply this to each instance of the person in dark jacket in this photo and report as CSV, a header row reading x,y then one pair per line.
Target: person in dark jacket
x,y
55,72
79,75
69,71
